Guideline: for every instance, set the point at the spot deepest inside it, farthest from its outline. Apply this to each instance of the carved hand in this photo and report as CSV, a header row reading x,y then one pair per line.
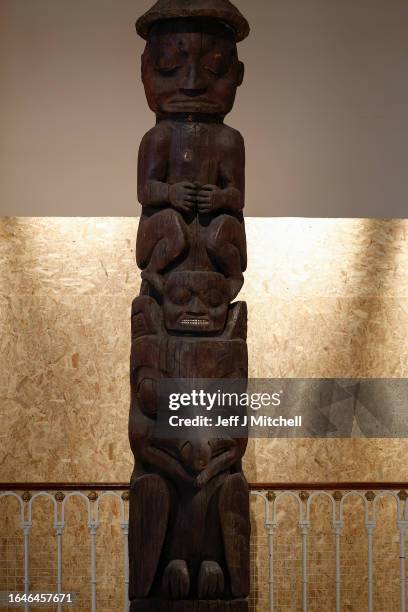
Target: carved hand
x,y
209,198
166,464
183,196
216,466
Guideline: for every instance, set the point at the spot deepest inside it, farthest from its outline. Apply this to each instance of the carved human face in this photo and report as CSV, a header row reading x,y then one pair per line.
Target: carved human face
x,y
189,67
196,302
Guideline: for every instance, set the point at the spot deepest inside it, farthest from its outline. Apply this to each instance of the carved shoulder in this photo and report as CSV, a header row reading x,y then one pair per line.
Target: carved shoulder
x,y
152,165
231,140
156,138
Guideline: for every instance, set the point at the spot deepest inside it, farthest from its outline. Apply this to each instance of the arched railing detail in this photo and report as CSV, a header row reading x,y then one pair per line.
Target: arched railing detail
x,y
273,497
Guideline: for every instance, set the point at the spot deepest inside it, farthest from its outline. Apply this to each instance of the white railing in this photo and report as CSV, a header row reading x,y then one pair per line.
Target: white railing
x,y
59,501
370,499
273,504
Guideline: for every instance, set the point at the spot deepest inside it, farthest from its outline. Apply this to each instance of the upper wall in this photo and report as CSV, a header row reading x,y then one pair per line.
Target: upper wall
x,y
322,108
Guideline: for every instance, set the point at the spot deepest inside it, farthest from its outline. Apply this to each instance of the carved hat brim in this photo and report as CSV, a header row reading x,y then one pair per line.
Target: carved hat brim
x,y
221,10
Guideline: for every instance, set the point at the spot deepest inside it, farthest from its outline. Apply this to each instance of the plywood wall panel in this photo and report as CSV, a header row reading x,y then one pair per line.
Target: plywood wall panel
x,y
331,293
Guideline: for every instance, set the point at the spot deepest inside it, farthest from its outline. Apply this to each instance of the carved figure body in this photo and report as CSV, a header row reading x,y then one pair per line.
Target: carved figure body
x,y
189,503
185,162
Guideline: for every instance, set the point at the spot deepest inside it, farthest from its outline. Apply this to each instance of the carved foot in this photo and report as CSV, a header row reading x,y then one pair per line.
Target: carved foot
x,y
161,605
176,580
210,581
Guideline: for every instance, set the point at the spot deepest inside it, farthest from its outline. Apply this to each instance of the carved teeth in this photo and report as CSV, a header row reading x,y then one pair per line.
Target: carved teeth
x,y
194,322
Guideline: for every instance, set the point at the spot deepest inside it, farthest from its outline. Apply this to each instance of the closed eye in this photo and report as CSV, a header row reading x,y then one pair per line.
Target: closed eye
x,y
179,295
216,70
167,70
216,63
215,298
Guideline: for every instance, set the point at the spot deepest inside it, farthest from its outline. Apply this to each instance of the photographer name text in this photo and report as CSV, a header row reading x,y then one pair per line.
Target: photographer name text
x,y
235,421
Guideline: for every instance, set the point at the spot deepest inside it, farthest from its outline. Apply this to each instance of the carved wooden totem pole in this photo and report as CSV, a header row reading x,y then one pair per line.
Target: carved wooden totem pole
x,y
189,502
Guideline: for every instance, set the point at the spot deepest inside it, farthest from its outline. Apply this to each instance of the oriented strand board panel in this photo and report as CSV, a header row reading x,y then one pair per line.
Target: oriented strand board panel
x,y
331,293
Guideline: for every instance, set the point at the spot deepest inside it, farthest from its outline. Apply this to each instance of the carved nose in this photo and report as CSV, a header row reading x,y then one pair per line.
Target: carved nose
x,y
196,307
194,84
193,93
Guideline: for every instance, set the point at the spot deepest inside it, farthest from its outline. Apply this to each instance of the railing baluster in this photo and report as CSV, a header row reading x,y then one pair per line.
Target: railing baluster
x,y
304,527
59,528
93,526
125,530
271,529
270,525
337,527
370,526
402,525
338,574
26,527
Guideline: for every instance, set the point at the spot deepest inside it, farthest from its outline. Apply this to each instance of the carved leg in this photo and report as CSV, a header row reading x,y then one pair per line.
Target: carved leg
x,y
226,246
148,517
235,525
162,238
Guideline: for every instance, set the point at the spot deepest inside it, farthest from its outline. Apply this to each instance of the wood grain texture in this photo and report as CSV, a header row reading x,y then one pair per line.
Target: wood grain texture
x,y
189,606
189,525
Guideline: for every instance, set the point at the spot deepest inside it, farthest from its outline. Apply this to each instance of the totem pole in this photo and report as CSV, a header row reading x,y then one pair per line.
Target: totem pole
x,y
189,502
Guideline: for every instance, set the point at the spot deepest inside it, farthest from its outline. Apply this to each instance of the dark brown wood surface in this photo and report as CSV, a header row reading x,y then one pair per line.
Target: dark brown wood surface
x,y
189,522
159,605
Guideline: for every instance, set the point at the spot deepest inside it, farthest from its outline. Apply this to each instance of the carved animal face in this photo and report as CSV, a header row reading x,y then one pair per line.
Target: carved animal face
x,y
196,302
189,67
